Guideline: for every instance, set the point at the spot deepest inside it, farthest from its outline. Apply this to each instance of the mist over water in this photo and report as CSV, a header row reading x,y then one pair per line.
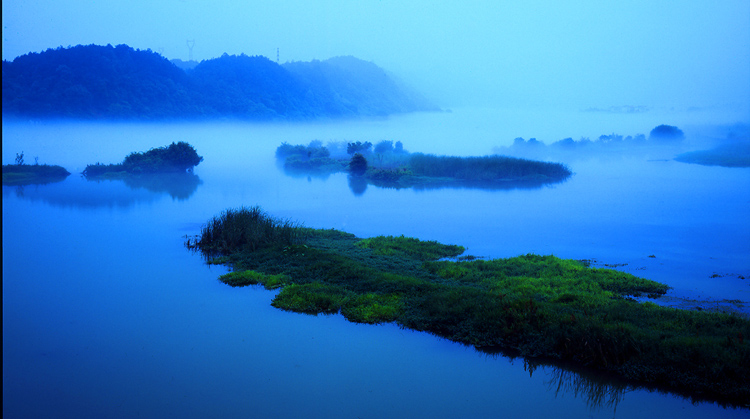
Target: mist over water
x,y
462,132
105,313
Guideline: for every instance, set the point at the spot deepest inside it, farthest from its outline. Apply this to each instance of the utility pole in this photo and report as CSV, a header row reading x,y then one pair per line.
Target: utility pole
x,y
277,55
190,45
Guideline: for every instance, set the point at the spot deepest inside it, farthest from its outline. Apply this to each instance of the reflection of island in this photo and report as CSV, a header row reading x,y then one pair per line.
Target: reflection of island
x,y
178,185
599,390
79,192
390,166
165,169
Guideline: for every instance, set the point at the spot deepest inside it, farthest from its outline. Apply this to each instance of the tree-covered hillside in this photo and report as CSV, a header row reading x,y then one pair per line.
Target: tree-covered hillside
x,y
350,86
120,82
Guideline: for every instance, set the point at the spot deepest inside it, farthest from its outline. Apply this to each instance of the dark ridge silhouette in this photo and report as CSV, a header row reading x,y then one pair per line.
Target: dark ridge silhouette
x,y
106,82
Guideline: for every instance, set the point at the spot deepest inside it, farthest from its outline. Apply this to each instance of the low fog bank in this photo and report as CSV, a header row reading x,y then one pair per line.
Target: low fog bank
x,y
662,142
461,132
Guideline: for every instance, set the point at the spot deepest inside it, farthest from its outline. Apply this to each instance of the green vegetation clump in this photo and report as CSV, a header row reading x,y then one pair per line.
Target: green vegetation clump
x,y
485,168
410,247
358,165
175,158
666,132
539,306
28,174
308,159
249,277
390,165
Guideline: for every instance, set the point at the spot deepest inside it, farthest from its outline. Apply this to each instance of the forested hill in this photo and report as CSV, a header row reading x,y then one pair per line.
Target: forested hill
x,y
106,82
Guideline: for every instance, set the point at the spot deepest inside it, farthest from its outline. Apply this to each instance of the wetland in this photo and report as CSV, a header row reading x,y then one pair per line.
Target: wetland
x,y
106,313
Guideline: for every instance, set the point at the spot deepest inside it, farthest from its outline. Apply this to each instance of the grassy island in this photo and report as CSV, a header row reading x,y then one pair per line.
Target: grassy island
x,y
389,165
175,158
541,307
30,174
728,155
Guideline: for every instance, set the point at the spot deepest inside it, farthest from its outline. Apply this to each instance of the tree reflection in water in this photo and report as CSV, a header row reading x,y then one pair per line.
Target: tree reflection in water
x,y
179,186
596,392
109,192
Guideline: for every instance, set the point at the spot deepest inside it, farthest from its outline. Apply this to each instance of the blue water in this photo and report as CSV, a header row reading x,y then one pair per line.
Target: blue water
x,y
106,314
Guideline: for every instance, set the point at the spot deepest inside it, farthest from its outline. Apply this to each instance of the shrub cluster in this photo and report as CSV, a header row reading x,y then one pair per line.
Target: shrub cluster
x,y
177,157
310,158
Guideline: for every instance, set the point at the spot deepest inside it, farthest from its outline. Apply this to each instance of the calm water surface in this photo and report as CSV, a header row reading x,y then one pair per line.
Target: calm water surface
x,y
105,314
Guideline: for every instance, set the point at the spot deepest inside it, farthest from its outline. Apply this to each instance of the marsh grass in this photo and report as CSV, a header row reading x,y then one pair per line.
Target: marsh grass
x,y
246,229
539,306
26,174
249,277
727,155
410,247
484,168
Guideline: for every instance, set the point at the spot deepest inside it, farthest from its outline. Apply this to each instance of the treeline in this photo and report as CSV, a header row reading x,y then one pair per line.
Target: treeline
x,y
120,82
661,136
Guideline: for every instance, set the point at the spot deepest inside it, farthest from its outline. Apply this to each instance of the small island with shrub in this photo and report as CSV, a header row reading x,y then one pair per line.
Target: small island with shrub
x,y
21,173
388,165
178,157
539,307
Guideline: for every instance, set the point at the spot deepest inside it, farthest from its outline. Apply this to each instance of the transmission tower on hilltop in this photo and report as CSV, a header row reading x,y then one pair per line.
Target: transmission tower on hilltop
x,y
190,45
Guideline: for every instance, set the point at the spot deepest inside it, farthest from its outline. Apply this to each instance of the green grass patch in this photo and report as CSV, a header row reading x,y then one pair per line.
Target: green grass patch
x,y
410,247
249,277
313,298
539,306
372,308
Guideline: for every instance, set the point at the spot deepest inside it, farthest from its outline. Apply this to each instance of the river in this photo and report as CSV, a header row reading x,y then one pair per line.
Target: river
x,y
106,314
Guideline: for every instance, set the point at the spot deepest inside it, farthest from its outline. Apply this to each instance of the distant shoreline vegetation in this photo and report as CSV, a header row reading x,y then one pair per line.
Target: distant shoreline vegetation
x,y
736,154
388,165
106,82
540,306
21,173
178,157
660,136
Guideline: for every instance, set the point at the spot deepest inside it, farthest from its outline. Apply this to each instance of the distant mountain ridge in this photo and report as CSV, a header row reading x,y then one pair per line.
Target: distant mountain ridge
x,y
106,82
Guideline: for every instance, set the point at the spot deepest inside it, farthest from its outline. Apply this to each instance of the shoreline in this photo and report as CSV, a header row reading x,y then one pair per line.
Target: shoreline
x,y
540,306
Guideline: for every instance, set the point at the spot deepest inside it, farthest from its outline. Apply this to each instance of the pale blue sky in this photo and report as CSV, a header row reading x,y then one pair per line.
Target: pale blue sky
x,y
688,53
